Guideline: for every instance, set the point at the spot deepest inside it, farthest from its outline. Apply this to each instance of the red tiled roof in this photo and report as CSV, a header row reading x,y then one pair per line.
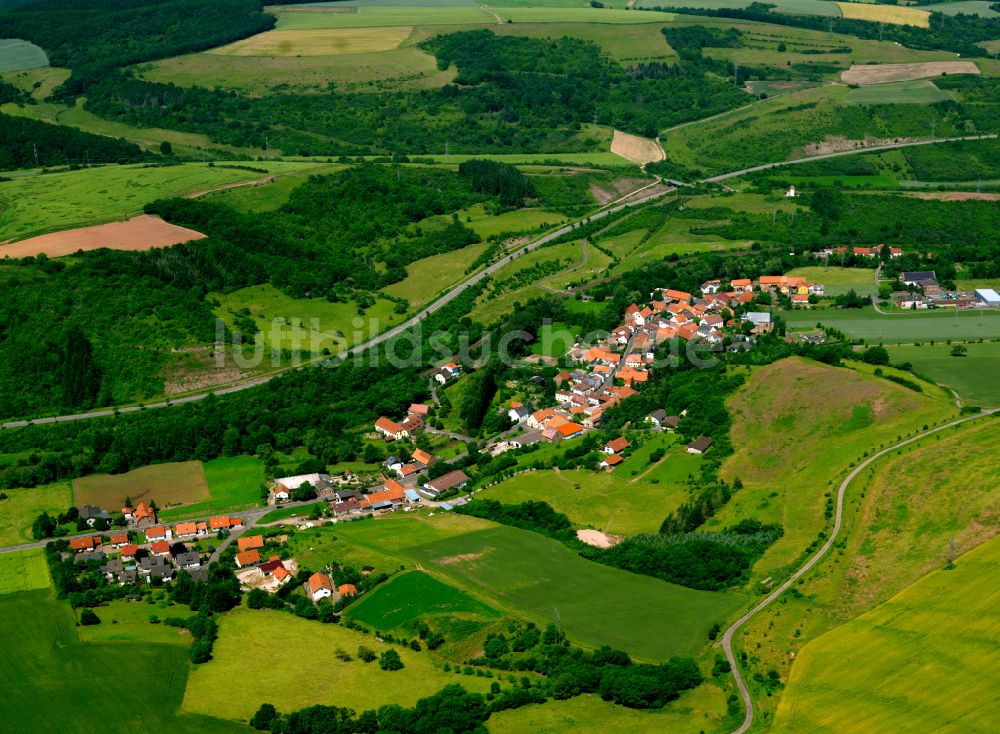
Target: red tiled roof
x,y
249,542
389,426
619,444
347,590
247,558
319,581
129,550
160,546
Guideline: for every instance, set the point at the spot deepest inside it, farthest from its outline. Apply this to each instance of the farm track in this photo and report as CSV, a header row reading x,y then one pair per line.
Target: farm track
x,y
726,642
613,207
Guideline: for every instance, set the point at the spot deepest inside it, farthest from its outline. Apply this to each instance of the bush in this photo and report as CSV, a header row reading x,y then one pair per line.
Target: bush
x,y
88,618
390,660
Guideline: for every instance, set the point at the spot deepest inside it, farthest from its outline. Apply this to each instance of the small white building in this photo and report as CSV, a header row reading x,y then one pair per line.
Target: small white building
x,y
790,194
988,297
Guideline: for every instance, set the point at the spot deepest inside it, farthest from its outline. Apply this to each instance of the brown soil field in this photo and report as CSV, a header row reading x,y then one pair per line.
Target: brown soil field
x,y
955,196
636,149
168,484
882,73
140,233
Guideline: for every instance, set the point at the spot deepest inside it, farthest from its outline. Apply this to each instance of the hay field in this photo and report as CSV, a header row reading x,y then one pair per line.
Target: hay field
x,y
923,661
22,506
885,14
139,233
918,91
318,42
371,16
636,149
18,55
179,483
23,571
881,73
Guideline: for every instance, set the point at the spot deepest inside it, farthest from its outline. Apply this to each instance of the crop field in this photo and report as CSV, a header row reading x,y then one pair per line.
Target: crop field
x,y
973,376
839,280
580,15
22,506
532,575
881,73
924,660
903,328
33,205
885,14
116,693
913,92
797,426
982,8
413,596
233,483
144,232
636,149
303,324
23,571
179,483
318,42
302,669
695,711
18,55
378,16
791,7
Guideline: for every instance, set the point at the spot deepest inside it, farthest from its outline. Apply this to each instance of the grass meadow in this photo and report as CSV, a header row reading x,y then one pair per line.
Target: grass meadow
x,y
791,7
836,280
429,276
412,596
973,377
33,205
22,506
179,483
533,576
797,427
318,42
23,571
233,483
904,327
920,91
293,662
53,682
923,660
19,55
125,621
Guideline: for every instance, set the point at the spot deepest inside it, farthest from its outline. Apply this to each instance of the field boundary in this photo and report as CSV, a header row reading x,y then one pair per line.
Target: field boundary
x,y
726,642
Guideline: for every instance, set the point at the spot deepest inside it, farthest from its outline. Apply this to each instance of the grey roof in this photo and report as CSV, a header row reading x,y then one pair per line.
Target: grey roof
x,y
988,295
115,565
918,275
84,557
447,481
90,511
700,444
758,317
188,559
151,562
658,415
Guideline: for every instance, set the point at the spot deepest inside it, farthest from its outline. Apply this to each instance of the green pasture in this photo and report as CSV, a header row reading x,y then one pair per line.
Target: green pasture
x,y
982,8
268,196
302,669
922,660
47,78
836,280
429,276
529,574
32,205
903,327
19,55
973,376
55,683
22,506
413,596
920,91
370,16
286,513
23,571
624,43
797,428
841,182
124,621
580,15
301,325
233,483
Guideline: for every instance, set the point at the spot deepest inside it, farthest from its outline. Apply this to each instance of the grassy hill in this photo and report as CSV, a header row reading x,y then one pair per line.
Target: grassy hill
x,y
923,660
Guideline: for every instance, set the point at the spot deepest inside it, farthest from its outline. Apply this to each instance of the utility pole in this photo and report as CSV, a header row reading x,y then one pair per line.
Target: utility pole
x,y
35,147
933,127
447,150
881,28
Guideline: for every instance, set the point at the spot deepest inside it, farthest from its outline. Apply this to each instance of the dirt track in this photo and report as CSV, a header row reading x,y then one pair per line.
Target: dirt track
x,y
140,233
954,196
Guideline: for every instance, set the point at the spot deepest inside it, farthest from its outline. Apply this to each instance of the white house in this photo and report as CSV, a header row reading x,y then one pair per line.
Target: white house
x,y
320,586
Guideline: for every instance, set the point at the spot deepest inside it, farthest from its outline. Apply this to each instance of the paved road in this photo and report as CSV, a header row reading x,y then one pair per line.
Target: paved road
x,y
856,151
727,639
385,336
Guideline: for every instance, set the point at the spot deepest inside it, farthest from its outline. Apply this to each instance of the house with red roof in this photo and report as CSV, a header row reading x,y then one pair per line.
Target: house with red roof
x,y
391,430
347,590
160,548
617,446
185,530
320,586
610,462
250,542
161,532
82,545
143,515
247,558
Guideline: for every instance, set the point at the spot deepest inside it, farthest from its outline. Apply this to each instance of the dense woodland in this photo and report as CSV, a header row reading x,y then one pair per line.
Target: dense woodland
x,y
25,143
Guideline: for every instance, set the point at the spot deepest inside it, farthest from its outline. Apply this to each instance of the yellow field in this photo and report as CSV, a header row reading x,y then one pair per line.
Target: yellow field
x,y
636,149
923,661
318,42
885,14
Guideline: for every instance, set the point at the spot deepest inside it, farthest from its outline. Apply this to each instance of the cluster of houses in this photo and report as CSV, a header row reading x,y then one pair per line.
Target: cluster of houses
x,y
255,572
741,290
869,252
391,430
320,586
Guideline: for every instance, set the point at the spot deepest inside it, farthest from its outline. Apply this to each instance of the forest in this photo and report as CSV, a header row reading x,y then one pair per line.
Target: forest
x,y
25,143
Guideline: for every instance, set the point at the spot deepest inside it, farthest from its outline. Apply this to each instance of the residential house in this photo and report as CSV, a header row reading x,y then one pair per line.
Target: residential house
x,y
91,514
919,278
347,590
113,567
118,540
185,530
451,480
129,551
160,548
699,445
161,532
320,586
423,458
448,372
616,446
419,409
539,417
250,542
393,495
155,567
710,287
84,545
143,516
610,462
190,559
247,558
391,430
282,576
519,413
741,285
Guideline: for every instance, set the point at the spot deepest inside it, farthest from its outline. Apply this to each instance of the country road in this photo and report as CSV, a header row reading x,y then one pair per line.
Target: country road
x,y
611,208
727,638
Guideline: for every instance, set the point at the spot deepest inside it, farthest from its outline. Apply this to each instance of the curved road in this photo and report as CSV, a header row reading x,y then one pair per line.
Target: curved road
x,y
727,639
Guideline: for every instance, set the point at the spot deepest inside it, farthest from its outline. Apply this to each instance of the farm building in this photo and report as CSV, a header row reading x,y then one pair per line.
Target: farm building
x,y
919,278
451,480
699,445
988,296
617,446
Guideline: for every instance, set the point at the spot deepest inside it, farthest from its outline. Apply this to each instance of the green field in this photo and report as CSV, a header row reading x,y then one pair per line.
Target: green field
x,y
371,16
982,8
23,571
302,324
791,7
529,574
125,621
580,15
836,280
289,512
413,596
22,506
293,663
35,204
625,44
267,197
431,275
920,91
233,483
179,483
797,427
924,660
53,683
973,377
902,328
18,55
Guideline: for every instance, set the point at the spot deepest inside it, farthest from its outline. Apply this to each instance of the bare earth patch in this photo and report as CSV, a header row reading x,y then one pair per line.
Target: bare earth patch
x,y
139,233
598,539
636,149
954,196
881,73
837,143
462,558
